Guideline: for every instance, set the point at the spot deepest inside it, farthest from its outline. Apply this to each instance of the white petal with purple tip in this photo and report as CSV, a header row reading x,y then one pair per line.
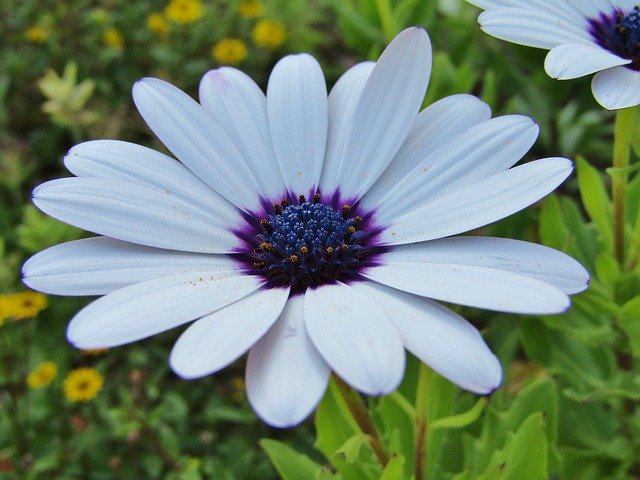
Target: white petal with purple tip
x,y
145,309
214,341
286,376
100,265
439,337
570,60
616,88
355,337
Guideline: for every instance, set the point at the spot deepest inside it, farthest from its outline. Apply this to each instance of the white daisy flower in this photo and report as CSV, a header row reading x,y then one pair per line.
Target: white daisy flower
x,y
584,36
309,231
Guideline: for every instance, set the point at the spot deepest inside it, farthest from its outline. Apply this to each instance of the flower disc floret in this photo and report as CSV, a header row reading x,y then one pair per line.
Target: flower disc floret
x,y
620,34
311,243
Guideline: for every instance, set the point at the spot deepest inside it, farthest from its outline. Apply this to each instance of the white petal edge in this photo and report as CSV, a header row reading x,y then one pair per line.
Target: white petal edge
x,y
286,376
196,139
484,150
343,100
525,258
355,337
148,308
134,213
473,286
239,107
386,110
101,265
617,88
479,204
534,28
128,162
298,120
215,340
570,60
440,338
434,126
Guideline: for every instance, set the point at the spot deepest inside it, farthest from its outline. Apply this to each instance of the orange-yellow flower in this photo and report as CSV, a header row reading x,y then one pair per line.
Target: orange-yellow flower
x,y
229,51
42,375
36,34
158,24
184,11
113,38
22,305
82,384
269,34
250,9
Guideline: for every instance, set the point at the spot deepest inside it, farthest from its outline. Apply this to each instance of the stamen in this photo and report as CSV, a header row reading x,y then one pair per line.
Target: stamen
x,y
301,199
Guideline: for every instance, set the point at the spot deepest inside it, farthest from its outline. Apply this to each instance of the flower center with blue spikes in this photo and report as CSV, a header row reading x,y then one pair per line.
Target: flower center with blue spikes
x,y
306,244
620,34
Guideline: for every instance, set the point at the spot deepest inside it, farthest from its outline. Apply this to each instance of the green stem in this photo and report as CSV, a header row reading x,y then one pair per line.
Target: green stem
x,y
625,120
421,422
386,20
363,419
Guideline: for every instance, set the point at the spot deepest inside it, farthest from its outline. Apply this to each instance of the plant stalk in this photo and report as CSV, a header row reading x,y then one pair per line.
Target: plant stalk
x,y
363,419
421,422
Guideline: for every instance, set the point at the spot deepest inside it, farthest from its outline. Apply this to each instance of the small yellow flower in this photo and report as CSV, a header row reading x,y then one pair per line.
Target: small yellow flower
x,y
184,11
269,34
82,384
113,38
22,305
250,9
36,34
229,51
158,24
42,375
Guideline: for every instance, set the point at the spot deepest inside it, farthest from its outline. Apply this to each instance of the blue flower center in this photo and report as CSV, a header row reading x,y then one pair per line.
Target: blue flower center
x,y
620,34
306,244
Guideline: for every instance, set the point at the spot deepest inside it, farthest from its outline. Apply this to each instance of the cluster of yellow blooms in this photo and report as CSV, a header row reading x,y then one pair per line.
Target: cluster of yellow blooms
x,y
21,305
80,385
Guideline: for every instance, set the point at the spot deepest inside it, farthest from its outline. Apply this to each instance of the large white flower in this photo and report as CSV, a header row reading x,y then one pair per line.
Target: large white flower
x,y
584,36
309,231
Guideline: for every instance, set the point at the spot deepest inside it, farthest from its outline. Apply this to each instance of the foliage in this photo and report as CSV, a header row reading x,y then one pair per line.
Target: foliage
x,y
568,409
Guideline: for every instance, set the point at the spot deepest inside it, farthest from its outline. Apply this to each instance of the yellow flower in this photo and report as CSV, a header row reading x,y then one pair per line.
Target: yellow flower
x,y
250,9
269,34
229,51
42,375
36,34
113,38
82,384
22,305
158,24
184,11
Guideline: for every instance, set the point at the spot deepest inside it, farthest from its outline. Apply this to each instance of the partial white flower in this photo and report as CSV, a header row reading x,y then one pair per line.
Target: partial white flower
x,y
584,36
308,230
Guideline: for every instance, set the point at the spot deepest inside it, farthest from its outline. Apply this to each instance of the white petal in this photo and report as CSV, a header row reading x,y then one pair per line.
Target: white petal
x,y
535,28
286,376
481,203
128,162
238,105
439,337
343,100
591,8
214,341
194,137
435,126
479,287
145,309
616,88
577,60
134,214
100,265
530,259
355,337
484,150
559,8
297,111
387,108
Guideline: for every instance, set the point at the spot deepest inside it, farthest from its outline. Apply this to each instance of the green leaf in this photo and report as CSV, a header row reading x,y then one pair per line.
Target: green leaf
x,y
607,268
290,464
595,198
394,470
629,321
463,419
525,454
